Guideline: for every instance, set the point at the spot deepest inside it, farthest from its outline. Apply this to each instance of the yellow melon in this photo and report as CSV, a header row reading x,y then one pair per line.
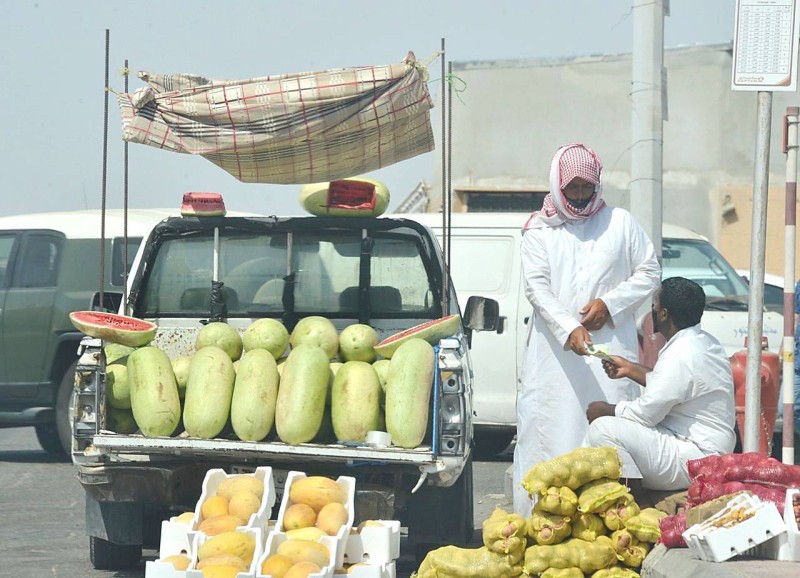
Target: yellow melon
x,y
244,504
298,516
276,566
219,524
233,484
316,491
302,570
179,561
214,506
332,517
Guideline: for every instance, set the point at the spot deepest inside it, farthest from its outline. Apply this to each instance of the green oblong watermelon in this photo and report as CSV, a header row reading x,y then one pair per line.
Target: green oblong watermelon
x,y
115,328
430,331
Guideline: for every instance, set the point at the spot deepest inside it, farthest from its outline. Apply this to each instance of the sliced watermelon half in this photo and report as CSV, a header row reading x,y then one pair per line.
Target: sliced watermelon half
x,y
202,205
430,331
115,328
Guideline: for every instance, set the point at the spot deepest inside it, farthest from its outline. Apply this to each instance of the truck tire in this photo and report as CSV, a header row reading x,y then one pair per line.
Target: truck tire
x,y
439,516
106,555
490,443
56,437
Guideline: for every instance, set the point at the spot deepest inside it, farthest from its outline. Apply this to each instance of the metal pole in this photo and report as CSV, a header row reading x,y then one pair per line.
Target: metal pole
x,y
790,234
647,101
755,318
104,180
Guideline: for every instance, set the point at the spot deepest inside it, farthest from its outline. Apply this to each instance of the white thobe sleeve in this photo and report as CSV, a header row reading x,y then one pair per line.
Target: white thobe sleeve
x,y
538,290
645,277
667,385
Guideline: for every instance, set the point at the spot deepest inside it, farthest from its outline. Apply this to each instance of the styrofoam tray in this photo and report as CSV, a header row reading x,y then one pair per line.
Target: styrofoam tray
x,y
784,546
275,539
258,520
348,484
377,545
369,571
718,544
200,537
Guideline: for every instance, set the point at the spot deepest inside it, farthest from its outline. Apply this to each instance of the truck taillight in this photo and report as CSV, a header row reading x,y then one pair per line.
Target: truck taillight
x,y
202,205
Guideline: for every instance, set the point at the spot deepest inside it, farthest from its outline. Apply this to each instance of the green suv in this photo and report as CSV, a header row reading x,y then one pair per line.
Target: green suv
x,y
49,266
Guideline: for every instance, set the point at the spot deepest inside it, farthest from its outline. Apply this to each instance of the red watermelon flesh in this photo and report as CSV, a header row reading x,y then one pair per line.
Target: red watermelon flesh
x,y
115,328
431,331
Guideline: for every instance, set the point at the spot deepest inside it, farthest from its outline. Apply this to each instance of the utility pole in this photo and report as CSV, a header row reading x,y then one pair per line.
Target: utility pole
x,y
648,100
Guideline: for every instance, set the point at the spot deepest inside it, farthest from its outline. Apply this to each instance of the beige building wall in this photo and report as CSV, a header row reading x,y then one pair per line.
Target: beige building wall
x,y
513,114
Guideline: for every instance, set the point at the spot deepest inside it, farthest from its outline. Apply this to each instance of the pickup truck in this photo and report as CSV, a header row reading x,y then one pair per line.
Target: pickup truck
x,y
385,272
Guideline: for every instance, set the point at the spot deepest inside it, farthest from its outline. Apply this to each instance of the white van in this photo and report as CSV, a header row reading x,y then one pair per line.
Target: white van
x,y
485,260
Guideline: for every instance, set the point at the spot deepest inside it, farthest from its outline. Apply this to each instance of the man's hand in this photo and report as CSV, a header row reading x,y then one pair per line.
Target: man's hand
x,y
578,339
618,367
599,409
595,315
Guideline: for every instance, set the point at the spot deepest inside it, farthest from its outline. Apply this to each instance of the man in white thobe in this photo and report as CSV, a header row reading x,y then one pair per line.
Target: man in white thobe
x,y
687,409
587,268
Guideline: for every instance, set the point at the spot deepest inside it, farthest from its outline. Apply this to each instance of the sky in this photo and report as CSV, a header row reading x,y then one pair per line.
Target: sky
x,y
52,70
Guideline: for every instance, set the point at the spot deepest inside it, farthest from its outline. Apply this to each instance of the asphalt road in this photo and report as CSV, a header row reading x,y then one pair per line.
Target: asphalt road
x,y
42,528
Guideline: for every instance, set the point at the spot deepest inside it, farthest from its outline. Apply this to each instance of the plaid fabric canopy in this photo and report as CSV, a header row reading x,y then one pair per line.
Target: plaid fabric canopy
x,y
288,129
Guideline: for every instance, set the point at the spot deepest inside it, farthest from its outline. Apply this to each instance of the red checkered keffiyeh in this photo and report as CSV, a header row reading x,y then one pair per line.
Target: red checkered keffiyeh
x,y
570,161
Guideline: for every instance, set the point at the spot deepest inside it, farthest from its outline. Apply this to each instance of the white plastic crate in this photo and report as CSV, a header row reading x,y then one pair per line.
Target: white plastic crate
x,y
200,538
258,520
275,539
157,569
369,571
348,484
376,545
785,546
717,544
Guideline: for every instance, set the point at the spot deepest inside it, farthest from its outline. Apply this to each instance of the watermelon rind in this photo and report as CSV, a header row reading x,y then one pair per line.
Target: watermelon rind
x,y
115,328
430,331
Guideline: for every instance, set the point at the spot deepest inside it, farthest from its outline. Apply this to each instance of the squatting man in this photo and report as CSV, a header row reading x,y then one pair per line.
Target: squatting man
x,y
686,410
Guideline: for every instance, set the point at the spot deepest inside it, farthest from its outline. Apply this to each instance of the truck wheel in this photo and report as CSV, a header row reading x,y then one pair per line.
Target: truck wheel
x,y
47,435
488,444
56,437
106,555
438,516
64,408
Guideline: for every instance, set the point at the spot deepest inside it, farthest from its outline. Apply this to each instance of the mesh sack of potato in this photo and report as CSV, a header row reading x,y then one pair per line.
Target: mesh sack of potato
x,y
645,526
588,527
545,528
561,501
630,551
573,469
504,532
562,573
597,496
615,516
615,572
452,561
577,553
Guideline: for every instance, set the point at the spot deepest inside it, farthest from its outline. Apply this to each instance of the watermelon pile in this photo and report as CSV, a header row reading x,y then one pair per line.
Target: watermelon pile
x,y
313,385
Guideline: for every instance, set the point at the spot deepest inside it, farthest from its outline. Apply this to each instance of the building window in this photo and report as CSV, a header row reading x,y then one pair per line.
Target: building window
x,y
504,202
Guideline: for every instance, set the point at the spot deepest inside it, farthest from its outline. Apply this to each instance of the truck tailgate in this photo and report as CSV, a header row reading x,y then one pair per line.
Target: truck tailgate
x,y
111,443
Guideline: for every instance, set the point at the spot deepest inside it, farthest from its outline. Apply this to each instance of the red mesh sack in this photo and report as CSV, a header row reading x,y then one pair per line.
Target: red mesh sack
x,y
748,467
701,491
672,528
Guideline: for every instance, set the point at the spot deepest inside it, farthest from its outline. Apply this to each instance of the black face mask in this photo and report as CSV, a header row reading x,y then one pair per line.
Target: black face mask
x,y
580,204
